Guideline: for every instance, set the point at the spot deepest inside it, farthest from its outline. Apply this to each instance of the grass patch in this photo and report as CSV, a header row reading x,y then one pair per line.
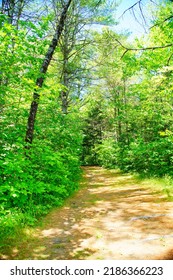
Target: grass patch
x,y
82,254
162,185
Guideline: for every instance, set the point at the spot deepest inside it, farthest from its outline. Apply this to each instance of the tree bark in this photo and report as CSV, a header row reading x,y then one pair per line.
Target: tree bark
x,y
43,70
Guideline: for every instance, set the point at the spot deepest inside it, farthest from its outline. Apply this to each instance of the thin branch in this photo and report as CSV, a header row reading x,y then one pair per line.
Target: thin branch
x,y
166,19
141,20
141,49
154,2
169,59
98,3
131,8
143,17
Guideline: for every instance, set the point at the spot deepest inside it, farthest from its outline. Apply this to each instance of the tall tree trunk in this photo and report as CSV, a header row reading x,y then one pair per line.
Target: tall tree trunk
x,y
66,46
64,93
43,70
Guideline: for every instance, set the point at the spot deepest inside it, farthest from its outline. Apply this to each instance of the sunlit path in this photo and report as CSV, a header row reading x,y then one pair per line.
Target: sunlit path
x,y
112,216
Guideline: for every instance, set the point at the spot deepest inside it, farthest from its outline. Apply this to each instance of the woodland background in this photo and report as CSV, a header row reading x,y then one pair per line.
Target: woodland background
x,y
74,92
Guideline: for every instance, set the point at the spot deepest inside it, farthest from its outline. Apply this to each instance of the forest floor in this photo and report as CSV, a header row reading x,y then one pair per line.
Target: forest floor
x,y
112,216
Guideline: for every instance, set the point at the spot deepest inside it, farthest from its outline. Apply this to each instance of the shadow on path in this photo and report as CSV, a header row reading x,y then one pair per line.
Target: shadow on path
x,y
112,216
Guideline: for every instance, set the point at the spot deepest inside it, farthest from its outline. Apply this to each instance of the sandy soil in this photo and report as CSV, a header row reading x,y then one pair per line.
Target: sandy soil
x,y
112,216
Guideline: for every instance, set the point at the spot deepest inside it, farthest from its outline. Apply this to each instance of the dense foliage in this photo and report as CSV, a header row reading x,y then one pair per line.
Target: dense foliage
x,y
36,179
104,101
136,108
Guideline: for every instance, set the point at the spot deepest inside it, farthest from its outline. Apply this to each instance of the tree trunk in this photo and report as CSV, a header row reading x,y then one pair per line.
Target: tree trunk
x,y
66,46
43,70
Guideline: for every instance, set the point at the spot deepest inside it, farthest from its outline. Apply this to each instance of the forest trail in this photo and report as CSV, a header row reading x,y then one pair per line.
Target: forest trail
x,y
112,216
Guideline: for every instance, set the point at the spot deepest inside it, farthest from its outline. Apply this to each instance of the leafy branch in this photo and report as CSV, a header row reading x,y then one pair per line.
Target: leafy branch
x,y
141,49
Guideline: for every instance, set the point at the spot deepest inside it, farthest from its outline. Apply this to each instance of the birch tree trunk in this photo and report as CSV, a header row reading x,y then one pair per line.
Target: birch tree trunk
x,y
43,71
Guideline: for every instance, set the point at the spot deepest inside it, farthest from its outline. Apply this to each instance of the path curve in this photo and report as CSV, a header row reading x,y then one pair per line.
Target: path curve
x,y
112,216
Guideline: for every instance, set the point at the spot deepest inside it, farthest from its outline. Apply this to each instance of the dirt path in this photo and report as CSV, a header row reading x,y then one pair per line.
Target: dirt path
x,y
111,217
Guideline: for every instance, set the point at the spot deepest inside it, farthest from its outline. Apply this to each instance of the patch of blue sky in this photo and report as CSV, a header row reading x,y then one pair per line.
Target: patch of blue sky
x,y
134,21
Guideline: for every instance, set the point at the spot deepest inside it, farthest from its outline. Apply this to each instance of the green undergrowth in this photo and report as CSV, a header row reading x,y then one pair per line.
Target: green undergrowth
x,y
24,202
19,222
34,181
163,185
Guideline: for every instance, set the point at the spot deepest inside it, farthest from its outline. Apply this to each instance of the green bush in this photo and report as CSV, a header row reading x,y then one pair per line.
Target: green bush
x,y
155,158
107,153
32,184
